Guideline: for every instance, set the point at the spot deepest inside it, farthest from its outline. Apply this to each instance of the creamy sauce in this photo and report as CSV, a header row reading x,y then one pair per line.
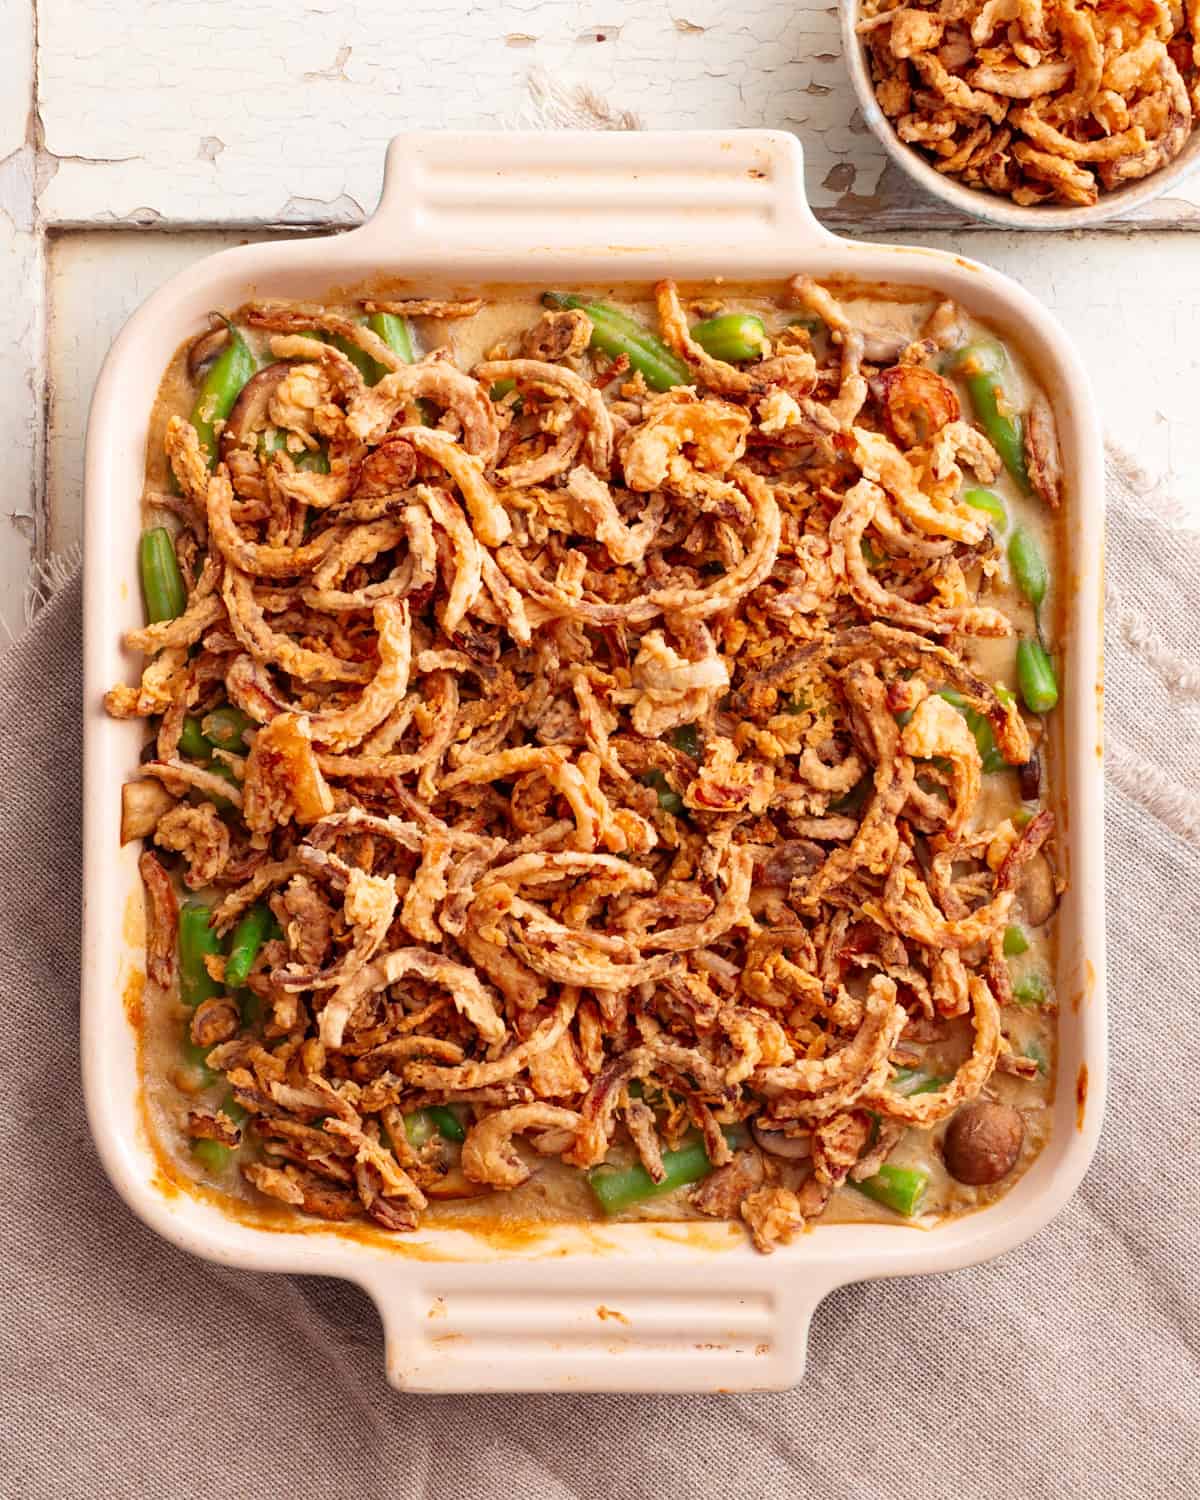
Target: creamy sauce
x,y
557,1193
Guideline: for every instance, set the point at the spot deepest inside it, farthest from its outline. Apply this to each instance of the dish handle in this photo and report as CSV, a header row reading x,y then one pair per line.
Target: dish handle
x,y
580,1325
621,194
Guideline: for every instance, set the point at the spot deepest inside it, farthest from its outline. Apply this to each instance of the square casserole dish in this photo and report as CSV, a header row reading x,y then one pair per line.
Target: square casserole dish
x,y
630,1307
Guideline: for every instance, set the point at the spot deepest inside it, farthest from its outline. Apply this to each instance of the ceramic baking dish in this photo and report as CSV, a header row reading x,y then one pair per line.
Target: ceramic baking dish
x,y
636,1307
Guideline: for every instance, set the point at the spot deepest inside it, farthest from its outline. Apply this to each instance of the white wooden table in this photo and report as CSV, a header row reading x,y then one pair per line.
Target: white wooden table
x,y
134,138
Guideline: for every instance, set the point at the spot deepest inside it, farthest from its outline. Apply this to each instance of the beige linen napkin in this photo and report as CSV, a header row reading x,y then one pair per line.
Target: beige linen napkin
x,y
1068,1368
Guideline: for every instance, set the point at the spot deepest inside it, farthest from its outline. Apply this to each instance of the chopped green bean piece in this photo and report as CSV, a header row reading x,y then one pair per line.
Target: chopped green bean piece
x,y
872,556
981,729
619,1188
1035,674
370,369
898,1188
449,1126
226,728
395,333
614,334
310,461
435,1119
197,938
1028,566
909,1081
1030,990
687,739
668,799
194,1057
219,389
163,587
984,500
249,1005
238,1113
248,938
1015,941
983,365
1035,1050
212,1156
191,740
732,337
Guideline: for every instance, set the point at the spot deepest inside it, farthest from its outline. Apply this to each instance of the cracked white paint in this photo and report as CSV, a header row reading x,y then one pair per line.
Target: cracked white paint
x,y
305,102
21,319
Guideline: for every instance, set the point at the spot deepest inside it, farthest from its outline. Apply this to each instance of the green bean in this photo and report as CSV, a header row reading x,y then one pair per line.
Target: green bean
x,y
731,336
983,365
220,388
898,1188
668,799
503,388
435,1119
212,1156
226,728
614,334
619,1188
909,1081
1015,941
311,461
249,1006
810,321
195,1056
370,369
419,1127
1030,990
238,1113
687,739
449,1126
197,938
992,504
248,938
1035,1050
872,556
192,741
1028,566
1035,675
395,333
985,739
163,587
226,773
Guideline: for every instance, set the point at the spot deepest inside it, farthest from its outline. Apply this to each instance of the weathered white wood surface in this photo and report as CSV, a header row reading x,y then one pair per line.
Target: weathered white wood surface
x,y
212,120
262,111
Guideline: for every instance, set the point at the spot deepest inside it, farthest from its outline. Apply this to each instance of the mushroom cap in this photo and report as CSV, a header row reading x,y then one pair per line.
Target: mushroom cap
x,y
777,1143
983,1141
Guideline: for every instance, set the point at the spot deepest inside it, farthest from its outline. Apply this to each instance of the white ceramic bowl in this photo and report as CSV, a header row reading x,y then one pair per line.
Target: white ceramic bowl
x,y
990,207
697,1308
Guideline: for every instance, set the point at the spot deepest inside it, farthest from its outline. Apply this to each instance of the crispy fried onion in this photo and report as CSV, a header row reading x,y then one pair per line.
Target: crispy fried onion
x,y
598,774
1038,103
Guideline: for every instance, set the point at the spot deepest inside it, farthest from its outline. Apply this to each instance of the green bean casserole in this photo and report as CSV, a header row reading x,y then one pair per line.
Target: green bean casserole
x,y
600,760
